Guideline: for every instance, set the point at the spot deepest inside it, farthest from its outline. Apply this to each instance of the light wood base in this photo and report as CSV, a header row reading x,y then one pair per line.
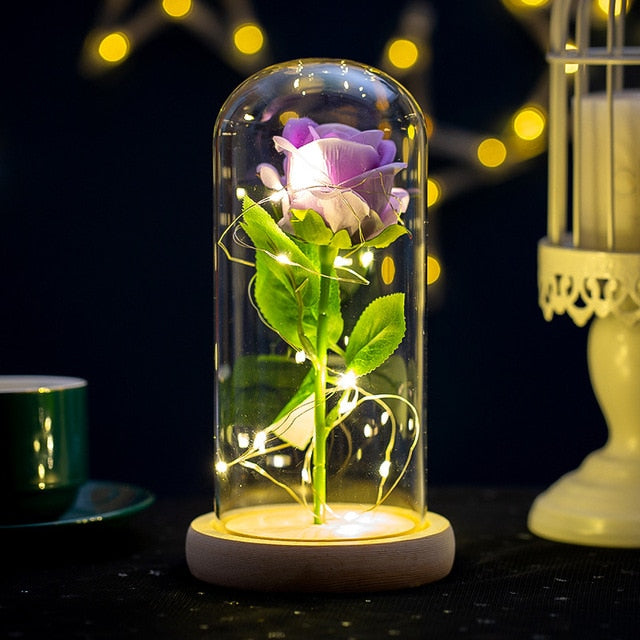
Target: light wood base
x,y
376,564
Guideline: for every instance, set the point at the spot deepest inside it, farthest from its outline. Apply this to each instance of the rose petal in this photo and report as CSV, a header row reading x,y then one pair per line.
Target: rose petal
x,y
338,160
269,176
386,151
299,131
336,130
372,137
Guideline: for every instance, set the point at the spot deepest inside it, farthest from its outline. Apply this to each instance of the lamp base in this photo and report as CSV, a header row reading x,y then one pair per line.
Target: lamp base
x,y
319,565
598,504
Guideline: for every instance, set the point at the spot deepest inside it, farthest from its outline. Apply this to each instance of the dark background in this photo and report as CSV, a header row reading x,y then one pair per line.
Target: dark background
x,y
106,256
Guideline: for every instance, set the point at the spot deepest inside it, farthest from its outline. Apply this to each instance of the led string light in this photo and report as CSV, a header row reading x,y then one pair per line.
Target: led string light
x,y
235,35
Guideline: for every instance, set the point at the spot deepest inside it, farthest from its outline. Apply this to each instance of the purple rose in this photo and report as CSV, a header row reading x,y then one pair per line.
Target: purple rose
x,y
344,174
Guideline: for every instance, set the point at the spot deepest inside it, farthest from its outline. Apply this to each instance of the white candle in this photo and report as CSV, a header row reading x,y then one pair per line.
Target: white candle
x,y
593,172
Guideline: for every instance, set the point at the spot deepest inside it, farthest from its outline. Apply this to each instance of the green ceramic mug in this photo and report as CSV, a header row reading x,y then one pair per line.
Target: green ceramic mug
x,y
43,446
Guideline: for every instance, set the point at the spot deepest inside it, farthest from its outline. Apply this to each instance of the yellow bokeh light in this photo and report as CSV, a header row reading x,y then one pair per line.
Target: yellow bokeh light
x,y
176,8
388,270
114,47
433,192
529,123
570,68
603,7
433,269
285,116
248,39
491,152
403,53
525,4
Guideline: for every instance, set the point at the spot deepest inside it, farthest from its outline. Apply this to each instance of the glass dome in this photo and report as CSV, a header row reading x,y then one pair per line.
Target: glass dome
x,y
320,294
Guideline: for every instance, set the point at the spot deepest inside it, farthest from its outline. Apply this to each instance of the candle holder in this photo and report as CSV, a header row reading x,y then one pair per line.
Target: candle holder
x,y
320,296
592,271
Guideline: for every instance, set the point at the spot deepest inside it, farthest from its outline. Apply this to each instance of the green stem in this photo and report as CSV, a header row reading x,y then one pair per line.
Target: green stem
x,y
327,256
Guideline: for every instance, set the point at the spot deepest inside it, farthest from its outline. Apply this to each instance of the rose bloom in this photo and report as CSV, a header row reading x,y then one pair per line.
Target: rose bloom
x,y
344,174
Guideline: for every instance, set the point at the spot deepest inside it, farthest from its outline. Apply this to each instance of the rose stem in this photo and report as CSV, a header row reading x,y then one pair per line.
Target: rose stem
x,y
327,256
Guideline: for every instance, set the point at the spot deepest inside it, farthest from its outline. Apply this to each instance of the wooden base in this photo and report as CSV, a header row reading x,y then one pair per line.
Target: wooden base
x,y
341,566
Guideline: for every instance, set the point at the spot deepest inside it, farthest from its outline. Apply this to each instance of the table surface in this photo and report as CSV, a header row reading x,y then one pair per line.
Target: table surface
x,y
130,579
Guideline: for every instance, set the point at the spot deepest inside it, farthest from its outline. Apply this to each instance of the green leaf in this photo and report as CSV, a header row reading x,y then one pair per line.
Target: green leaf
x,y
377,334
386,236
310,226
287,283
341,240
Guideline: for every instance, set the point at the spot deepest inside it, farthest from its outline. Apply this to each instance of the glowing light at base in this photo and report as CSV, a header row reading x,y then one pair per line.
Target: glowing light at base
x,y
344,522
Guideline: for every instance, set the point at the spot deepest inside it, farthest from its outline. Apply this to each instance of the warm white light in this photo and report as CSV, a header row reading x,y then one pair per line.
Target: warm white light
x,y
366,258
384,418
280,461
300,357
347,380
221,466
260,441
385,467
277,196
241,192
341,261
283,258
244,440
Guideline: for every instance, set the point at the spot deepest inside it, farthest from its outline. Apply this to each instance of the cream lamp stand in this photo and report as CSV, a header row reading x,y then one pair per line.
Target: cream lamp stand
x,y
593,272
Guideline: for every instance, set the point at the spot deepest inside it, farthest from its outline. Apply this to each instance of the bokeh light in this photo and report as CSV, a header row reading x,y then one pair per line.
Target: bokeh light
x,y
603,7
433,269
403,53
492,152
248,39
529,123
434,191
177,8
114,47
570,68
